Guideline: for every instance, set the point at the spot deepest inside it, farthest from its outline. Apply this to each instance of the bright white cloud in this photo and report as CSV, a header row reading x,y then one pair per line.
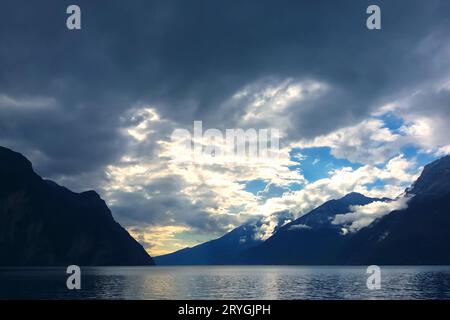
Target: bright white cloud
x,y
269,102
204,195
210,196
268,225
361,216
298,227
426,115
396,175
368,142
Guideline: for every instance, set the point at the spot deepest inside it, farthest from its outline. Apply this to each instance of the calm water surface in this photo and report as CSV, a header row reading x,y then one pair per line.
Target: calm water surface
x,y
227,282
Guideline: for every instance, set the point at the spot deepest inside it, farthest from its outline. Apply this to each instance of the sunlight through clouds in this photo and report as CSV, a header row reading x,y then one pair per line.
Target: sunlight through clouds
x,y
208,195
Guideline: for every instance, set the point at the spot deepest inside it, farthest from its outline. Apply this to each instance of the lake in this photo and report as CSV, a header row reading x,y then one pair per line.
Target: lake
x,y
227,282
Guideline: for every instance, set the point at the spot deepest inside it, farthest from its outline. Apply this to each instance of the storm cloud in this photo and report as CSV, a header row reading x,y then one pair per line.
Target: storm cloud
x,y
67,97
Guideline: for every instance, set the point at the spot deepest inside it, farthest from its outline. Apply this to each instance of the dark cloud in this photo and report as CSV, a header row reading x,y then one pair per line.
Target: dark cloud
x,y
187,58
160,202
65,95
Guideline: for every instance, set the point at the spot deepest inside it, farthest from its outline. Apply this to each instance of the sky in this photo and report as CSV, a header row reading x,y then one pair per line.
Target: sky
x,y
357,109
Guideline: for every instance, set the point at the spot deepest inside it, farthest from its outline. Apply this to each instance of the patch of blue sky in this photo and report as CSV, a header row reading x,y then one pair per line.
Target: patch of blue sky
x,y
378,184
391,121
255,186
409,152
420,157
262,189
272,191
316,163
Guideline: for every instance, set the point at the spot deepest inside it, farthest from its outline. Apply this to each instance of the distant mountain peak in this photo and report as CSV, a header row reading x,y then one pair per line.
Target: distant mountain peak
x,y
12,158
323,215
434,180
91,194
355,198
14,164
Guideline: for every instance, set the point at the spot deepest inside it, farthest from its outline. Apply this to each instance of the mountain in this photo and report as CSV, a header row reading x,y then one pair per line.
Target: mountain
x,y
310,239
215,252
417,235
434,180
44,224
224,250
243,246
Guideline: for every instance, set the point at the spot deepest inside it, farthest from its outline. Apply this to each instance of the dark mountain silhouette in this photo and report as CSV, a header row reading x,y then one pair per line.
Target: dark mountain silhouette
x,y
241,245
44,224
310,239
215,252
434,182
224,250
417,235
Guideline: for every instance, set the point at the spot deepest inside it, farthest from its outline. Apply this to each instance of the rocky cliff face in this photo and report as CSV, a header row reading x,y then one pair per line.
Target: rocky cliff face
x,y
44,224
434,180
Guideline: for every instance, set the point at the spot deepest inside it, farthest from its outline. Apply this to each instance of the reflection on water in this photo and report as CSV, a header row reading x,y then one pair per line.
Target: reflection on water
x,y
227,282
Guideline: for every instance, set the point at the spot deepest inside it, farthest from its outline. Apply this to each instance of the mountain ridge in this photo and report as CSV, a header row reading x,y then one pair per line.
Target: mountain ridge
x,y
416,234
208,252
45,224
